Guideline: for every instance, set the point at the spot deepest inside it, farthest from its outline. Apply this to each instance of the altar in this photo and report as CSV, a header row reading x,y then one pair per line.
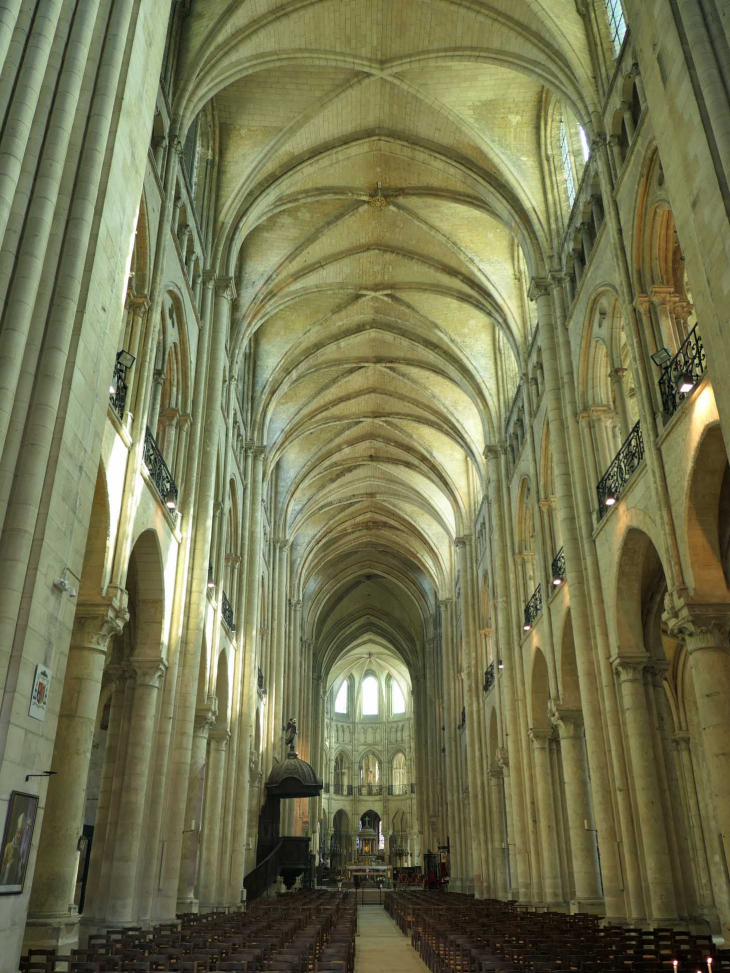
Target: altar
x,y
370,873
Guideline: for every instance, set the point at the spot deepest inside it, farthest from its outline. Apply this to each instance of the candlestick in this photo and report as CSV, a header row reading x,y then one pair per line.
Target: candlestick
x,y
709,964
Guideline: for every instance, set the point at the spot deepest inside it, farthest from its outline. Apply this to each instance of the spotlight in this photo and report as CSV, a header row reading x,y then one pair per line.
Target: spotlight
x,y
610,498
557,582
171,501
661,357
211,583
112,389
527,627
685,382
500,665
125,359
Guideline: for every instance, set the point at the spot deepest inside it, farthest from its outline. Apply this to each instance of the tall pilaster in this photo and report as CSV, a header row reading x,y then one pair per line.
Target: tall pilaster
x,y
658,872
187,901
586,870
213,816
53,918
552,891
122,901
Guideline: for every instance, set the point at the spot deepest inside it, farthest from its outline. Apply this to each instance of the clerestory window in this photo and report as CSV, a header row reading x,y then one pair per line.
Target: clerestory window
x,y
616,22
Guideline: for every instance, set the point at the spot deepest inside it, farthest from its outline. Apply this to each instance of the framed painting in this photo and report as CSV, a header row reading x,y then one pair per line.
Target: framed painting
x,y
17,837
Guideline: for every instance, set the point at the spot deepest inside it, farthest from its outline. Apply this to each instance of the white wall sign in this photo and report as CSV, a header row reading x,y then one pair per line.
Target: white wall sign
x,y
39,696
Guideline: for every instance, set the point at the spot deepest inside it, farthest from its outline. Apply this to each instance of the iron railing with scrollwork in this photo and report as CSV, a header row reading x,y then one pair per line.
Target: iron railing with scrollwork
x,y
688,365
489,677
342,789
627,461
558,567
370,790
227,612
159,471
533,608
118,398
413,787
462,721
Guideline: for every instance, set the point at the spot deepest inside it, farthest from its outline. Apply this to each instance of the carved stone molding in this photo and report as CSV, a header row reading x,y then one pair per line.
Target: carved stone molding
x,y
95,623
699,626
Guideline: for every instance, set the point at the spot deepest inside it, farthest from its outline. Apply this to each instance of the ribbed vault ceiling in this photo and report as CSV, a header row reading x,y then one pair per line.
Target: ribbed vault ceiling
x,y
382,175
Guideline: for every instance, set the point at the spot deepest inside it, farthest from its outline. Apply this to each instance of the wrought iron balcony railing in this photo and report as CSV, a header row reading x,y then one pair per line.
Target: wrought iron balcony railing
x,y
227,612
370,790
159,472
118,388
260,680
558,568
683,372
627,461
533,608
398,790
413,788
462,721
489,677
343,789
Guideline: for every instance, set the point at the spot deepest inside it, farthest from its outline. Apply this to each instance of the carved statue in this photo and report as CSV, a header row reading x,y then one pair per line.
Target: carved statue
x,y
291,734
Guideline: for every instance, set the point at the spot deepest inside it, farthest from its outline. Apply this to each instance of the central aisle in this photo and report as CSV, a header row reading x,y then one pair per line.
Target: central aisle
x,y
381,946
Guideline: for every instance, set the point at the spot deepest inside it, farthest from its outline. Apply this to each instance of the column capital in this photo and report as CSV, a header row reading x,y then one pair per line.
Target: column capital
x,y
502,755
699,626
462,541
137,303
95,623
539,737
630,668
225,287
205,717
295,603
219,738
539,287
568,722
148,671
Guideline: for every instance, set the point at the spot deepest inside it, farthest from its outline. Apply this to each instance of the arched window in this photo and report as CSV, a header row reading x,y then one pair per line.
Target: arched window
x,y
342,698
565,156
400,784
370,770
616,22
370,701
397,699
342,773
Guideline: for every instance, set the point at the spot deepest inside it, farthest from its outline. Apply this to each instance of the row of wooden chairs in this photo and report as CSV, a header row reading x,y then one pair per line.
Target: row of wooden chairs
x,y
303,932
458,934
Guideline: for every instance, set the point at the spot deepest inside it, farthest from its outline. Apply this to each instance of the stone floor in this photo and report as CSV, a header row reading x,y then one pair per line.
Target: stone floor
x,y
381,947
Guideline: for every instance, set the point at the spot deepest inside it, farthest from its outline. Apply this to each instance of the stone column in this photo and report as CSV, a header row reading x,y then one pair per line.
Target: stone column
x,y
520,872
119,676
586,871
53,919
617,376
121,903
499,844
158,381
187,901
210,842
478,817
552,890
696,836
249,642
638,734
704,630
